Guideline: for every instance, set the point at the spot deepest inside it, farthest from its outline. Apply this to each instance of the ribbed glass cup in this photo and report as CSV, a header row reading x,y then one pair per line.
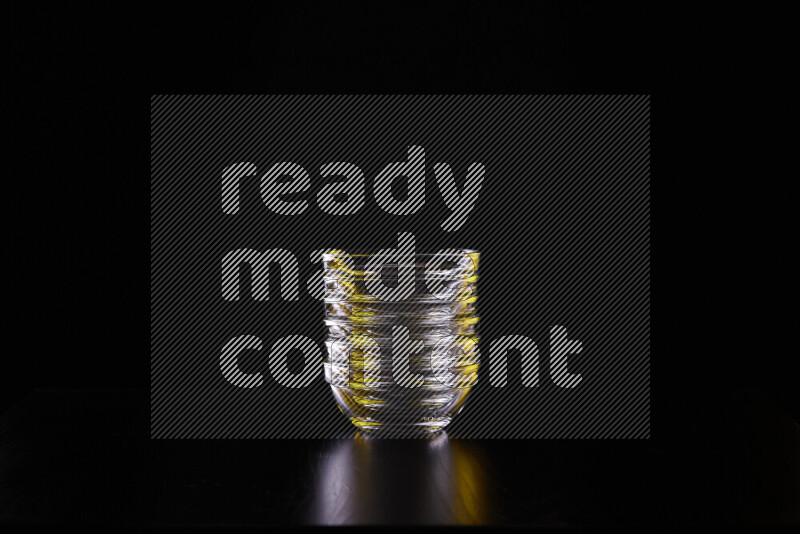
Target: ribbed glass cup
x,y
401,366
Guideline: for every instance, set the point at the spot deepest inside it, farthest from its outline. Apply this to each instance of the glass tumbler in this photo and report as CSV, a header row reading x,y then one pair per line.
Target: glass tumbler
x,y
401,363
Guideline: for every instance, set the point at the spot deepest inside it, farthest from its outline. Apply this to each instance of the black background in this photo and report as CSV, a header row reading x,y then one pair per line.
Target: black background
x,y
81,77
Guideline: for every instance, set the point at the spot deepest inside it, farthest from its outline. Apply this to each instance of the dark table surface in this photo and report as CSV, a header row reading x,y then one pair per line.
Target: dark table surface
x,y
86,457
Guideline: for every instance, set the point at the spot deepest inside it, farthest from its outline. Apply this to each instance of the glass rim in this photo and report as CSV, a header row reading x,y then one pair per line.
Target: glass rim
x,y
361,253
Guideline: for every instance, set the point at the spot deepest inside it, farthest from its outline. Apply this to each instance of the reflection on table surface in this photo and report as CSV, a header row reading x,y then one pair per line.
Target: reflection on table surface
x,y
78,457
376,481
